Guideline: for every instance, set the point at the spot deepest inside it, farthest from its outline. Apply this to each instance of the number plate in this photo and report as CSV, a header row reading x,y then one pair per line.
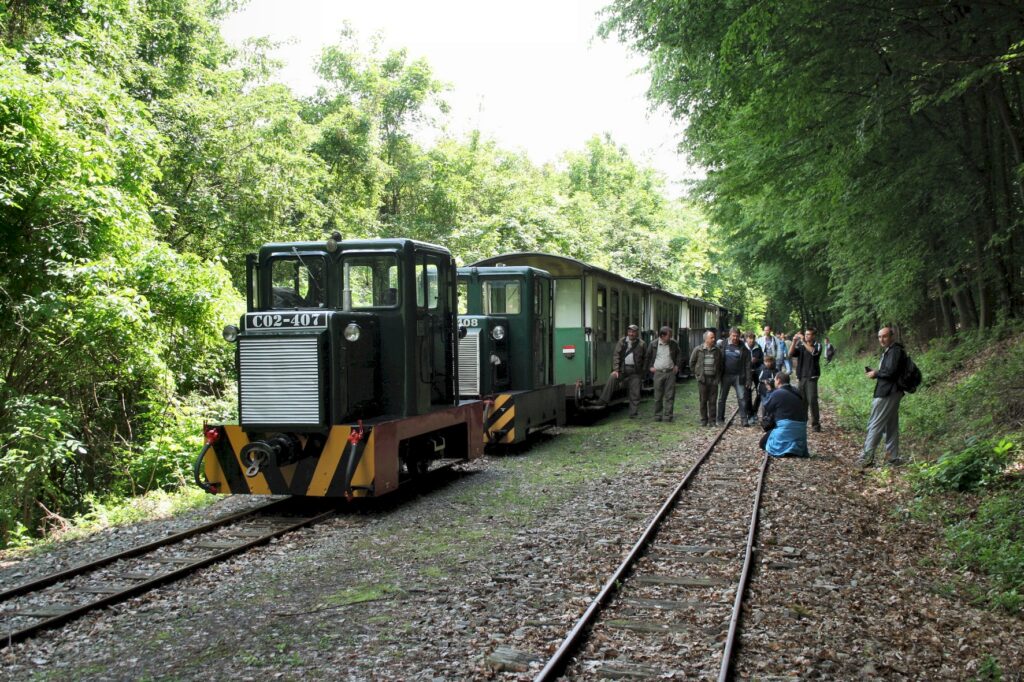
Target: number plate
x,y
296,320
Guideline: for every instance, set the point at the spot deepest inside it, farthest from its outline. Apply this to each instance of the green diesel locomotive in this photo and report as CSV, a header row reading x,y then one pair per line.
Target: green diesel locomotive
x,y
347,369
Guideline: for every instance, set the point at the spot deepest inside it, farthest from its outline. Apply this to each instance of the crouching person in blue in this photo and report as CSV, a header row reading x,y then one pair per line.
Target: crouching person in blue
x,y
785,420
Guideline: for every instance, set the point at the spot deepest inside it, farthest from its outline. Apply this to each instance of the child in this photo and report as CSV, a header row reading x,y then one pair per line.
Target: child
x,y
765,381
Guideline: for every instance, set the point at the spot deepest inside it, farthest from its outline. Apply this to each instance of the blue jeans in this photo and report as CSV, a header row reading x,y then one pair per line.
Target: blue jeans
x,y
738,383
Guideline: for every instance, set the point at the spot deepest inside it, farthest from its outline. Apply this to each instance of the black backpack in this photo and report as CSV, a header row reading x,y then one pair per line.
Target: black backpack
x,y
910,376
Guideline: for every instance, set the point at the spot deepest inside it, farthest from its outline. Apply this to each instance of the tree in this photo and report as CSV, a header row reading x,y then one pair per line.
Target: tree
x,y
833,131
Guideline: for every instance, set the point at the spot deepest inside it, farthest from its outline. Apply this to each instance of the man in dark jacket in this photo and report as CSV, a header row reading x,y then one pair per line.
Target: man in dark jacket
x,y
785,418
627,367
885,405
808,369
735,375
756,363
664,358
706,364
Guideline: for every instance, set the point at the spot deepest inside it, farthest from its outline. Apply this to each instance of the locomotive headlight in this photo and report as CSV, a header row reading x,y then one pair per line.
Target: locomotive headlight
x,y
498,333
352,332
230,333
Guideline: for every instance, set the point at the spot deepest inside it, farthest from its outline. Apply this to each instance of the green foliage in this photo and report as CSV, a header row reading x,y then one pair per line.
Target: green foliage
x,y
992,542
39,466
980,464
863,160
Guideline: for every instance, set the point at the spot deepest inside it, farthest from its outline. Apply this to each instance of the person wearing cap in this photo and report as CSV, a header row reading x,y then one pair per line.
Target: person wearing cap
x,y
663,360
627,367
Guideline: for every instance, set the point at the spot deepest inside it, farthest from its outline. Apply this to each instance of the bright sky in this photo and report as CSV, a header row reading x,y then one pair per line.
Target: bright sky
x,y
531,74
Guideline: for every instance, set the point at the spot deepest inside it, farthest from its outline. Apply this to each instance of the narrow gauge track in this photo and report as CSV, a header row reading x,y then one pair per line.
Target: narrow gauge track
x,y
675,600
53,600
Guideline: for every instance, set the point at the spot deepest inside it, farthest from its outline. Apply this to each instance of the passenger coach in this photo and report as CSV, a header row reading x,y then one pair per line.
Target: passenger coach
x,y
591,309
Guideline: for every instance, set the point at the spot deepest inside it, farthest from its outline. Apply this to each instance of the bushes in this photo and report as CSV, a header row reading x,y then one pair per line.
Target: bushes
x,y
981,463
992,543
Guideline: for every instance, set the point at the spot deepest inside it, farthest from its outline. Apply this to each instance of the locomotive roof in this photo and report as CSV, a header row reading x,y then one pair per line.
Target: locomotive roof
x,y
561,266
398,244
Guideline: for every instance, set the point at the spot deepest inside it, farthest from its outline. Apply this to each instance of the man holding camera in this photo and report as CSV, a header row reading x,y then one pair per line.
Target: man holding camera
x,y
808,368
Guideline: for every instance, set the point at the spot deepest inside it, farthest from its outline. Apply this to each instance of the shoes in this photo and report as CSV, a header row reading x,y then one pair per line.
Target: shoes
x,y
705,423
898,461
657,417
817,428
862,463
720,422
746,425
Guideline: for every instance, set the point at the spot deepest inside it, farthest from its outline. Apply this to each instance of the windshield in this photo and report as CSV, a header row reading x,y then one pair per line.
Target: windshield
x,y
370,281
297,281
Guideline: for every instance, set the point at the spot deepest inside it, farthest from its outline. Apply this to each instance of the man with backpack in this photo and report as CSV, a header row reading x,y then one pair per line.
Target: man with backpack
x,y
885,405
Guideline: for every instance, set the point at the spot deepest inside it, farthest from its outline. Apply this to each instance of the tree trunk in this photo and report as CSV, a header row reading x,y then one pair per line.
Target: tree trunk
x,y
948,325
964,305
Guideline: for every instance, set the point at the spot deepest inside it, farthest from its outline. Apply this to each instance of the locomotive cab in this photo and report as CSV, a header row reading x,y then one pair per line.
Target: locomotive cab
x,y
505,320
346,371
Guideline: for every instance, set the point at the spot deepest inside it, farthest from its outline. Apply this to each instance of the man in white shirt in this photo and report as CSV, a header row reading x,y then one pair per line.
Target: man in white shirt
x,y
664,358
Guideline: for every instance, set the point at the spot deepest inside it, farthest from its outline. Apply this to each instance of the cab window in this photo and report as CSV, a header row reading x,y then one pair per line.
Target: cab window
x,y
370,281
463,307
297,282
502,298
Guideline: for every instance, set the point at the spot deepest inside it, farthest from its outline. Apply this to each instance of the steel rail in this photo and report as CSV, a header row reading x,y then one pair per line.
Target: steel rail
x,y
734,622
67,574
560,659
107,600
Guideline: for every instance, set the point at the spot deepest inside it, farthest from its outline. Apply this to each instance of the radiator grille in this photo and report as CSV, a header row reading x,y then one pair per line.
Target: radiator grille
x,y
469,365
279,380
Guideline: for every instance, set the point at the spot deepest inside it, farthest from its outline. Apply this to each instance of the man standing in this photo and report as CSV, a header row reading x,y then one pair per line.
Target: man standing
x,y
771,346
885,405
756,363
830,351
808,368
706,365
664,359
627,366
736,375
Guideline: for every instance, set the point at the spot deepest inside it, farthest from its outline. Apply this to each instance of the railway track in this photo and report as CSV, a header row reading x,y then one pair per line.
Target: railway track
x,y
673,605
53,600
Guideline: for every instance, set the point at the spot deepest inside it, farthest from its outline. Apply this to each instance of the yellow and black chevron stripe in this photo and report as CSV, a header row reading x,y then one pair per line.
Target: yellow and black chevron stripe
x,y
316,475
500,420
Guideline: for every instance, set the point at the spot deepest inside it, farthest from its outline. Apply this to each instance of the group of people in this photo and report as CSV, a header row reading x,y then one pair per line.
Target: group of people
x,y
759,370
632,360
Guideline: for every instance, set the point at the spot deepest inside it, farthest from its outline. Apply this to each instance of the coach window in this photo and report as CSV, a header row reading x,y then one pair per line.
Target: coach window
x,y
568,304
613,307
502,297
601,313
297,281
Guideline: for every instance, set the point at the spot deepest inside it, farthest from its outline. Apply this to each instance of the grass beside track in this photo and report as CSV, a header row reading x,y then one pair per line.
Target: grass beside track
x,y
964,433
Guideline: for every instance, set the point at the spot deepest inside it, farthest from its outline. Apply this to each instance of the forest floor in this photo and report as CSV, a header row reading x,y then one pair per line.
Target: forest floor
x,y
509,554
